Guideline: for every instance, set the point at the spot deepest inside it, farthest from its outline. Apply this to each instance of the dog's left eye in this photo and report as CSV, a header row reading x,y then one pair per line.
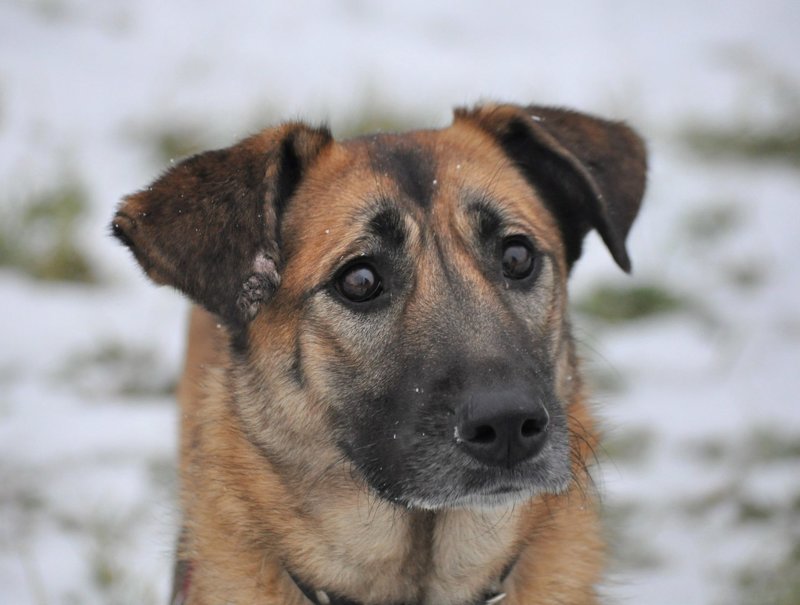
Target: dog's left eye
x,y
359,283
518,259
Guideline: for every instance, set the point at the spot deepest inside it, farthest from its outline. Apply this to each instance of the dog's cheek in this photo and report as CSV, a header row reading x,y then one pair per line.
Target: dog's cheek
x,y
346,361
540,310
398,453
385,425
550,333
546,329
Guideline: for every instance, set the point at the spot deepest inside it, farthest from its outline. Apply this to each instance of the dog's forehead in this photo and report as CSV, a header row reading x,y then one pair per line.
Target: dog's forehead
x,y
423,166
416,171
428,179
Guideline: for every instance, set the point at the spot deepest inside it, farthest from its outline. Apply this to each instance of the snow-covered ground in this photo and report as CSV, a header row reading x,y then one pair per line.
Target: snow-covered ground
x,y
702,481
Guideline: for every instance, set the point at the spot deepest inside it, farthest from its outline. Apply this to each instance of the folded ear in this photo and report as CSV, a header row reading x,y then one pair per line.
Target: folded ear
x,y
590,172
210,225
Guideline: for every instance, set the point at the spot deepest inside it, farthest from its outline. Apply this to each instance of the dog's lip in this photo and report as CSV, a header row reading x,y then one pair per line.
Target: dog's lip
x,y
506,487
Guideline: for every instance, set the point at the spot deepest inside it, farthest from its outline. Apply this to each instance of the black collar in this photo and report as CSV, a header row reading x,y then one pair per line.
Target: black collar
x,y
318,597
182,578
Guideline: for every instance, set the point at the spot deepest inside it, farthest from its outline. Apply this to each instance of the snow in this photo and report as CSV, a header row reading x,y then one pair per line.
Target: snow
x,y
82,86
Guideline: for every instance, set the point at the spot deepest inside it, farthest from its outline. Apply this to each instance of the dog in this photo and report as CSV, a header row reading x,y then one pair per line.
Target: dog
x,y
382,402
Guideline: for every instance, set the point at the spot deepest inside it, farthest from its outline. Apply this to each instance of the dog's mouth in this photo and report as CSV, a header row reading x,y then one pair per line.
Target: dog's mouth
x,y
497,495
497,446
433,474
502,495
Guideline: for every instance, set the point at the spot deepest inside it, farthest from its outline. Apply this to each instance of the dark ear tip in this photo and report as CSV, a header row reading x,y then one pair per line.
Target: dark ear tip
x,y
616,245
623,260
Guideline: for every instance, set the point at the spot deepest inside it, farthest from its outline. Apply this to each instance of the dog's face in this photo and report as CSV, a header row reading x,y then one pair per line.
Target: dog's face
x,y
428,280
398,301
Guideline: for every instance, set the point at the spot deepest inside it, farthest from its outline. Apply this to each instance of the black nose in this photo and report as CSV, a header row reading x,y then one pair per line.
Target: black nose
x,y
501,429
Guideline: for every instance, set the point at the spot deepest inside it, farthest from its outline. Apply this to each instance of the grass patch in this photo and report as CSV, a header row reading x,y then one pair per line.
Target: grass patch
x,y
701,506
777,585
710,450
163,475
53,10
711,222
767,445
107,535
746,275
376,121
633,446
605,381
105,572
115,369
169,143
39,236
8,373
174,143
743,508
22,501
762,445
611,303
629,552
750,510
375,113
108,575
747,456
753,143
749,137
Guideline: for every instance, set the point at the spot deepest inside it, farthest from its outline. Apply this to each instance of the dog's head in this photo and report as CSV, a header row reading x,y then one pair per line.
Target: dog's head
x,y
398,301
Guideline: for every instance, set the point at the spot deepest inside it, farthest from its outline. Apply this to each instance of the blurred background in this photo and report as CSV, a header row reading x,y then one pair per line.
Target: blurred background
x,y
695,359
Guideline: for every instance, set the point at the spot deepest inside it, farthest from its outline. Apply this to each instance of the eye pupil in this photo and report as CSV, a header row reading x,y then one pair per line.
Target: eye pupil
x,y
359,283
518,260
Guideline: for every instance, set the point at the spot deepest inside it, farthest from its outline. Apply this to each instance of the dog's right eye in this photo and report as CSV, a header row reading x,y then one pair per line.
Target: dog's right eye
x,y
518,259
359,283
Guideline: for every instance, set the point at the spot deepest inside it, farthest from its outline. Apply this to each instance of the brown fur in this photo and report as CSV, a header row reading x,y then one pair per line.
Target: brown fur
x,y
254,233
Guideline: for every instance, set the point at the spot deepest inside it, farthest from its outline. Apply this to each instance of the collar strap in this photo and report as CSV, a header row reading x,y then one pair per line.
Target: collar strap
x,y
320,597
182,578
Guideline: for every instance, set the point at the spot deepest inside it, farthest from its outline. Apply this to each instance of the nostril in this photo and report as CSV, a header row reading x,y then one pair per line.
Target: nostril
x,y
483,434
532,427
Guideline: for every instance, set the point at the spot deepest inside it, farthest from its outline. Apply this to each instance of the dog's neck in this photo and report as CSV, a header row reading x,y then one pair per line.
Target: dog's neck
x,y
457,557
472,543
377,552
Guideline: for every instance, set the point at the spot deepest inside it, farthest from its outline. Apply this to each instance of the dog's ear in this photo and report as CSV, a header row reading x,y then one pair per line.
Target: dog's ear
x,y
590,172
210,225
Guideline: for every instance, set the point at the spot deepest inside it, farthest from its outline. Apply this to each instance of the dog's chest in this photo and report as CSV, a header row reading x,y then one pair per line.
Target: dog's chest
x,y
379,553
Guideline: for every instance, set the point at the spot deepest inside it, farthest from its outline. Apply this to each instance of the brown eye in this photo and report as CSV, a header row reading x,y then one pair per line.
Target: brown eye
x,y
359,283
518,260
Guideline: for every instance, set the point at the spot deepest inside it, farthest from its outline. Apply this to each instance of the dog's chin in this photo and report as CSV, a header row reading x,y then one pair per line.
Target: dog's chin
x,y
491,495
495,498
499,499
